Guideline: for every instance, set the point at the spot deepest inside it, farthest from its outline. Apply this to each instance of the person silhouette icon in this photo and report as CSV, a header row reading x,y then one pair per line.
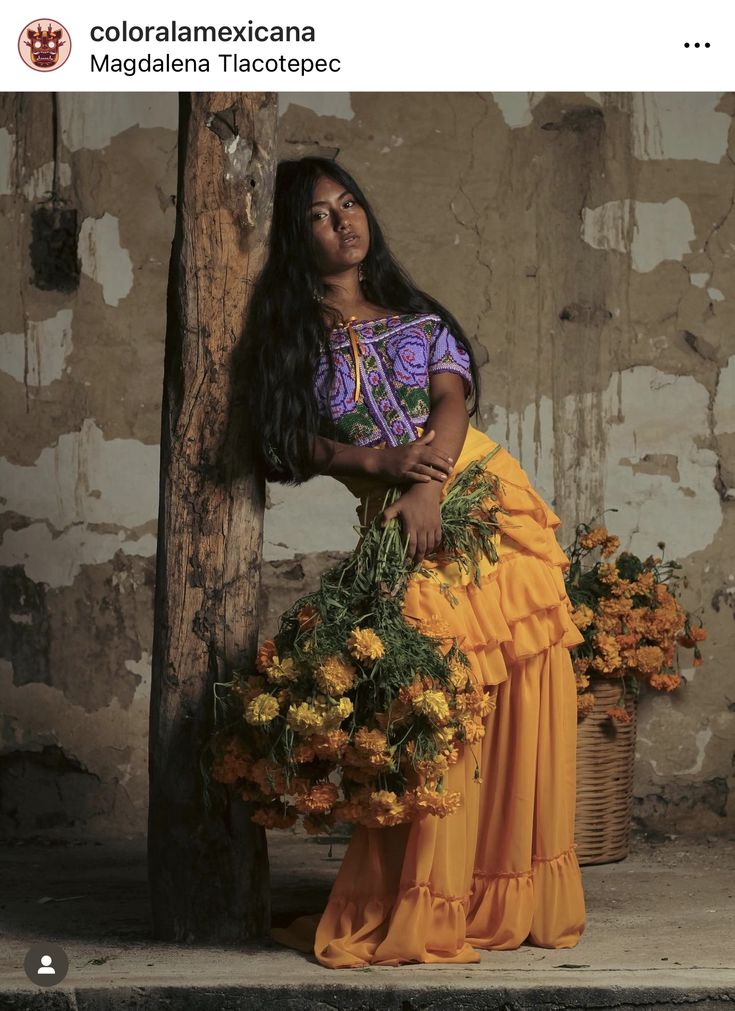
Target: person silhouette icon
x,y
46,966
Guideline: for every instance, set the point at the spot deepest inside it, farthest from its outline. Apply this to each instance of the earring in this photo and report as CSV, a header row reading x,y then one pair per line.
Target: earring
x,y
361,273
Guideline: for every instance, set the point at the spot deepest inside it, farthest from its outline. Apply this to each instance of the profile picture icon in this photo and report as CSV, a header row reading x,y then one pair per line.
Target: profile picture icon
x,y
44,45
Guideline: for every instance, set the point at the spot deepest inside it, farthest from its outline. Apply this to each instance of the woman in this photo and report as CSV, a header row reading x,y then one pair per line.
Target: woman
x,y
358,374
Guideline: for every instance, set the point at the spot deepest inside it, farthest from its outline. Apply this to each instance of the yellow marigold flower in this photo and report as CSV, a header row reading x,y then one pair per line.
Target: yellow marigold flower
x,y
444,736
459,675
583,617
473,731
441,804
365,644
261,710
585,703
649,659
583,680
434,705
304,718
265,655
433,768
308,617
340,711
334,676
665,682
281,671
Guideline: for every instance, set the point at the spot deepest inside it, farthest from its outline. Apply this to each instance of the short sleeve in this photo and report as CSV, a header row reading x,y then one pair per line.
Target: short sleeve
x,y
446,354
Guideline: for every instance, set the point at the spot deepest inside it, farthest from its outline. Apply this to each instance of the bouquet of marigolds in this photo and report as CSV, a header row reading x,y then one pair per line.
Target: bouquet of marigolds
x,y
630,618
355,711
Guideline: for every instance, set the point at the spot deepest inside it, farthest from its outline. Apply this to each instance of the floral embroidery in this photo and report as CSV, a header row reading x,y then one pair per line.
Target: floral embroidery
x,y
401,353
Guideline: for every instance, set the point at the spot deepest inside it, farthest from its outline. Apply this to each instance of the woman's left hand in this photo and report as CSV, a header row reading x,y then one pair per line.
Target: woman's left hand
x,y
418,508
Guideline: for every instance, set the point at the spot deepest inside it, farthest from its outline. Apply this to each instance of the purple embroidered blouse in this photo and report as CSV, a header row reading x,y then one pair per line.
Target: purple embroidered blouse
x,y
397,357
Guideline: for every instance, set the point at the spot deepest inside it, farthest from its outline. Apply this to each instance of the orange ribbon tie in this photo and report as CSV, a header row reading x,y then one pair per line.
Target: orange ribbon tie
x,y
357,347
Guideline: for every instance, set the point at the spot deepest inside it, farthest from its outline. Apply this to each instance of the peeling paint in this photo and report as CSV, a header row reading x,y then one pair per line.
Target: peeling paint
x,y
318,515
515,108
7,157
679,124
92,119
660,231
104,259
83,480
323,103
723,409
40,185
40,357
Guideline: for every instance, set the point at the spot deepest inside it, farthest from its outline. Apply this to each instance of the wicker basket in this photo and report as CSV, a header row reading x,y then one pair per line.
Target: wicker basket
x,y
605,759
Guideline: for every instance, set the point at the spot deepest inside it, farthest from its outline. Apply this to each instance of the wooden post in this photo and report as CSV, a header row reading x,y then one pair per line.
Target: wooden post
x,y
208,874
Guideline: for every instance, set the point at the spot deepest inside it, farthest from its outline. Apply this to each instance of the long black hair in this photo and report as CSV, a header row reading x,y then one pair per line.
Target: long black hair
x,y
285,327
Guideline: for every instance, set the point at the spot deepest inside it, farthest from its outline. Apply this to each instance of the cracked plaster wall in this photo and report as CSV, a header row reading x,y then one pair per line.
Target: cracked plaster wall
x,y
586,241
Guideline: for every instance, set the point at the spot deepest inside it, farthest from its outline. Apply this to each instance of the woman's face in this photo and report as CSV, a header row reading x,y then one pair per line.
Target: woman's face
x,y
340,227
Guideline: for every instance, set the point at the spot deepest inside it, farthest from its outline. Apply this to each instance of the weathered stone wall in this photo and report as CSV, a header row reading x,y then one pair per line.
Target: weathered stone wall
x,y
585,241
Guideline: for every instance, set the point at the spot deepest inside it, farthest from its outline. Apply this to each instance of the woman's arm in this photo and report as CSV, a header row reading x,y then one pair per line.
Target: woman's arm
x,y
418,507
343,459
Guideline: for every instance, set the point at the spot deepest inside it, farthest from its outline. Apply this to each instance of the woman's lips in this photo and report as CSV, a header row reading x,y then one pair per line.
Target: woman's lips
x,y
349,239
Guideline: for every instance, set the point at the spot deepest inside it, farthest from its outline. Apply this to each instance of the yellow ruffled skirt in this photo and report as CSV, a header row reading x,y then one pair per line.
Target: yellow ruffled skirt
x,y
501,870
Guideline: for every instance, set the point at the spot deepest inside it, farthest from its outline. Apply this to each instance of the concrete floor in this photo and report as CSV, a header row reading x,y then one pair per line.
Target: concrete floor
x,y
659,933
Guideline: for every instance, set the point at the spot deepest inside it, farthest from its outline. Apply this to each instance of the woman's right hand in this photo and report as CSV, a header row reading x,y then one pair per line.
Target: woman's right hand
x,y
414,461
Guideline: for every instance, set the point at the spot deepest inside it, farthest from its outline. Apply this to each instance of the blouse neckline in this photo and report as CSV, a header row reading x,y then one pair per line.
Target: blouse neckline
x,y
381,319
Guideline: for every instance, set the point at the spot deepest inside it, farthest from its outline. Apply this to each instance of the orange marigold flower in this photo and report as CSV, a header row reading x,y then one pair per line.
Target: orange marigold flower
x,y
308,617
304,752
273,816
234,764
665,682
319,799
607,572
610,545
649,659
330,745
619,715
583,616
598,535
441,804
697,661
370,742
265,655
